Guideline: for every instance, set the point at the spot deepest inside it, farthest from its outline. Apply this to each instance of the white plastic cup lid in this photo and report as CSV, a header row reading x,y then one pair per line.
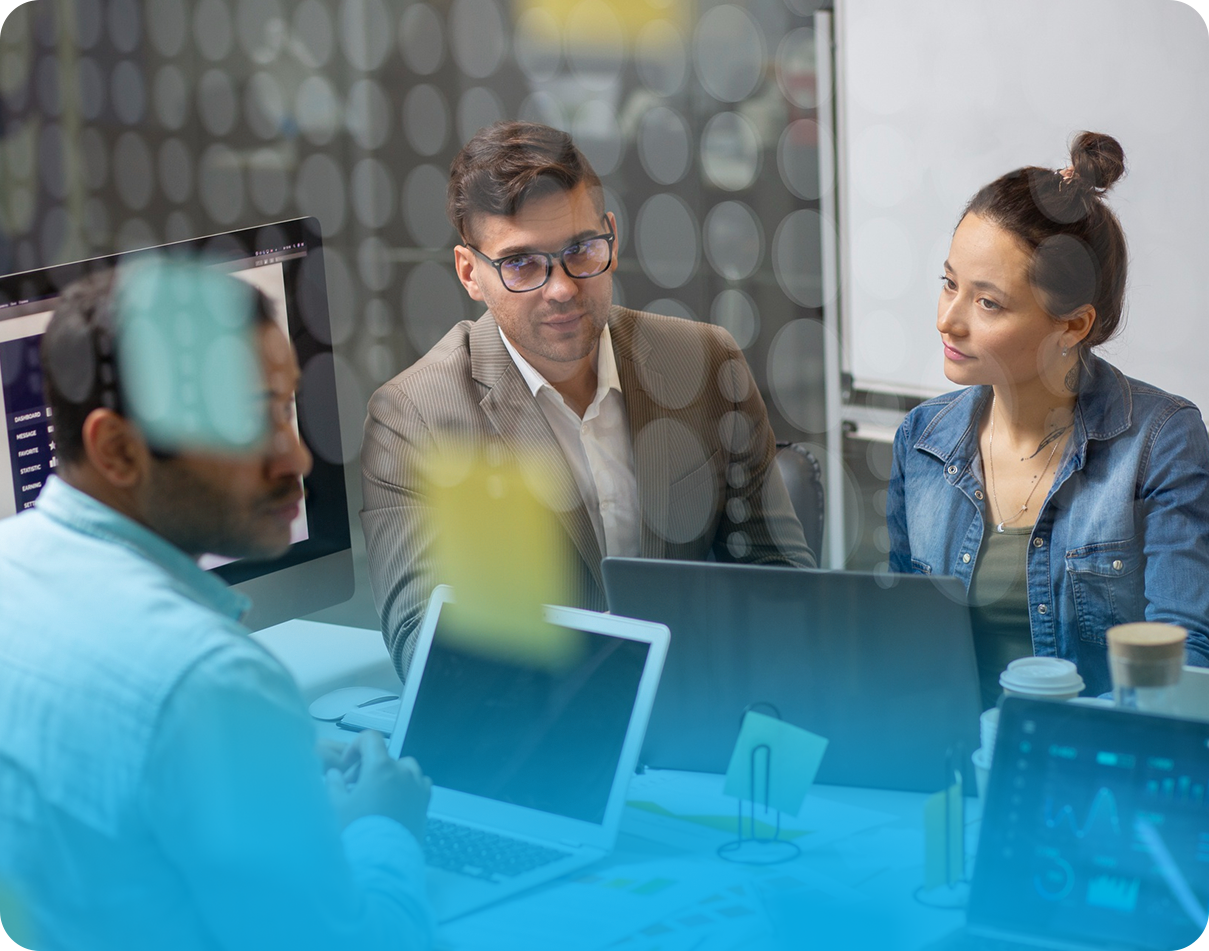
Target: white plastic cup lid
x,y
1041,677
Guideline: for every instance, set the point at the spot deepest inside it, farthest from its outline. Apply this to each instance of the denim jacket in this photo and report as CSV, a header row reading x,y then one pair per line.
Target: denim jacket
x,y
1122,536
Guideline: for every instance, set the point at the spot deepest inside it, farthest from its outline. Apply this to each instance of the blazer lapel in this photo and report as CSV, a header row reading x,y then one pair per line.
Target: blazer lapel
x,y
651,462
512,410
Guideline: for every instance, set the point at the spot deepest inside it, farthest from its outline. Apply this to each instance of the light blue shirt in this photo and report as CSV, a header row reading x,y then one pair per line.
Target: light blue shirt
x,y
158,781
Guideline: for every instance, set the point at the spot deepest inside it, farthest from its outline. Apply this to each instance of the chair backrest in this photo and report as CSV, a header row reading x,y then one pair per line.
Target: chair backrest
x,y
804,479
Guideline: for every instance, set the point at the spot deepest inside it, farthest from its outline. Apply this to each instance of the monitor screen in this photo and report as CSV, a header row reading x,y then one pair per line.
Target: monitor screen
x,y
545,737
285,261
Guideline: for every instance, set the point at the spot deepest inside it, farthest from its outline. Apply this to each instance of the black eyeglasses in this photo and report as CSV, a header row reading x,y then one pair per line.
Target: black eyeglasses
x,y
530,270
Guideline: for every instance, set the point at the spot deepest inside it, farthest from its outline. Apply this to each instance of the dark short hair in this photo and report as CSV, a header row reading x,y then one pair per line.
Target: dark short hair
x,y
506,164
80,366
1078,250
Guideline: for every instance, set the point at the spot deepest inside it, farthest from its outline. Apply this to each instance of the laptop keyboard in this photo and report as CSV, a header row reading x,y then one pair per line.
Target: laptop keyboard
x,y
483,855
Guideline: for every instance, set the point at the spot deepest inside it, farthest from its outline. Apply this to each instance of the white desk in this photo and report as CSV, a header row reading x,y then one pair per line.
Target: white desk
x,y
853,891
322,657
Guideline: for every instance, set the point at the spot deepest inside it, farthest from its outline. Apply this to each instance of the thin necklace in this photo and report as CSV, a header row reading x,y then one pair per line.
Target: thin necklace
x,y
1036,481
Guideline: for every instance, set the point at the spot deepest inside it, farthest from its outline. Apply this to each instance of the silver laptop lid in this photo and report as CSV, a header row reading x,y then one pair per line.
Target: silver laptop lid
x,y
1096,829
530,741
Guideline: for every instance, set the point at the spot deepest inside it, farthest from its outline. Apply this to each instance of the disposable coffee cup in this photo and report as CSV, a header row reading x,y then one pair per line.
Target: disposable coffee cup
x,y
982,771
1041,678
988,727
1146,654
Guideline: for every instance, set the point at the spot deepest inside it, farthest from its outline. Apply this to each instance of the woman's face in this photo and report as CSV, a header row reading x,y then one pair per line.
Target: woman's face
x,y
993,328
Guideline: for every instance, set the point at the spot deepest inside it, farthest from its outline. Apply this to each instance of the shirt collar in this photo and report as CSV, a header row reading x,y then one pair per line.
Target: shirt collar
x,y
1103,409
607,377
81,512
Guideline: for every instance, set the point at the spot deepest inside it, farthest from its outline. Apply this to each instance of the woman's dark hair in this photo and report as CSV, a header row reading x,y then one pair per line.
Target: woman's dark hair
x,y
507,164
1077,245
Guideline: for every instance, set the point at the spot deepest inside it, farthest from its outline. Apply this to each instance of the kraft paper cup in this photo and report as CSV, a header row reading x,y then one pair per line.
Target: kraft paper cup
x,y
1146,654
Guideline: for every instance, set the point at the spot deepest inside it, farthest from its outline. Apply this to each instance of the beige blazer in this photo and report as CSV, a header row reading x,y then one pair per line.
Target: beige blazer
x,y
703,455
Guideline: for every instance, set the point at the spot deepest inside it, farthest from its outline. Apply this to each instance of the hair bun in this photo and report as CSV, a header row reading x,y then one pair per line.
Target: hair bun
x,y
1097,160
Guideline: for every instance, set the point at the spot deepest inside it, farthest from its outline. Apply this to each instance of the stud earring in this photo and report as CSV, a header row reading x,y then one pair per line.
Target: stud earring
x,y
1065,351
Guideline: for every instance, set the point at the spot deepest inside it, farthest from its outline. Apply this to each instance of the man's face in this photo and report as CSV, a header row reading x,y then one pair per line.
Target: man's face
x,y
237,505
557,325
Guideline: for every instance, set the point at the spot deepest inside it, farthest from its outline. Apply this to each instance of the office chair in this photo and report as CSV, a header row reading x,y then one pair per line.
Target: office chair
x,y
804,479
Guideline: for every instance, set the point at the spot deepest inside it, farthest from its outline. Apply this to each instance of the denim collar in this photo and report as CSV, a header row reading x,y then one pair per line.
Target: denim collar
x,y
81,512
1104,409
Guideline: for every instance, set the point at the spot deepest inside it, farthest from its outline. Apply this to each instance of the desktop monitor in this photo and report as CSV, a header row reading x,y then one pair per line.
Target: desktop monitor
x,y
285,261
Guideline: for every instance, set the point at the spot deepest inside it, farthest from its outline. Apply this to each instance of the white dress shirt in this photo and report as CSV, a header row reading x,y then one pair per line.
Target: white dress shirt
x,y
597,448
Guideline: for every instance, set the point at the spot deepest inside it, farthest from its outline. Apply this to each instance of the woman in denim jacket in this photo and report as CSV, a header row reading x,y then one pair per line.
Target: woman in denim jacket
x,y
1065,495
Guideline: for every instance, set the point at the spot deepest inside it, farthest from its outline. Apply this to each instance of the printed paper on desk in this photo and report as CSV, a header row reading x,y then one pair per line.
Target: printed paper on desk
x,y
795,755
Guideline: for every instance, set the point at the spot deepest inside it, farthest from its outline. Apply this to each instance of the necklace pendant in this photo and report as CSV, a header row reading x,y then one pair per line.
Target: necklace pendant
x,y
999,528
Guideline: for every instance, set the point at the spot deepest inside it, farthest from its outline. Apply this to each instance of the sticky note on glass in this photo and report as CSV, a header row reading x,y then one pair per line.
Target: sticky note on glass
x,y
189,357
944,831
783,772
504,552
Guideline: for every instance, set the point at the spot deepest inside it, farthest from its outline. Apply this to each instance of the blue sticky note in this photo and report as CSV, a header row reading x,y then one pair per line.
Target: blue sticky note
x,y
790,763
189,355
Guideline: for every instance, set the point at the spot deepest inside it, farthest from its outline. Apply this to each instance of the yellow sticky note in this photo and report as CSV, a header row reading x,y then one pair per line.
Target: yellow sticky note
x,y
944,828
790,763
504,553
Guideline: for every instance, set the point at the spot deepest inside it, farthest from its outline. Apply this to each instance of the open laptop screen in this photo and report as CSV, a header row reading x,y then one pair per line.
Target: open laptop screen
x,y
1096,831
546,736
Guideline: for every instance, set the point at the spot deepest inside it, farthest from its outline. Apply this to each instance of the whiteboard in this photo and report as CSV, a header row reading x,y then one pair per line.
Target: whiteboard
x,y
935,98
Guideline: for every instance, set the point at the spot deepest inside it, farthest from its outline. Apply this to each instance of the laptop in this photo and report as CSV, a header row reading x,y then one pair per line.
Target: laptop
x,y
882,666
1095,833
530,744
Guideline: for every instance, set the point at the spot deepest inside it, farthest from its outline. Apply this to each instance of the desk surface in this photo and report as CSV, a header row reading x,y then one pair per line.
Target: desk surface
x,y
852,890
664,888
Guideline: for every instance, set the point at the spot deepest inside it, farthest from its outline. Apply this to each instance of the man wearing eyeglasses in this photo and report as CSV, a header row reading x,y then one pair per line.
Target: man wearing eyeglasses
x,y
657,419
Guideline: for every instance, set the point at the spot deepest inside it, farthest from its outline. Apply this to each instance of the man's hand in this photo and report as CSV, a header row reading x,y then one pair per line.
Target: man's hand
x,y
367,782
330,753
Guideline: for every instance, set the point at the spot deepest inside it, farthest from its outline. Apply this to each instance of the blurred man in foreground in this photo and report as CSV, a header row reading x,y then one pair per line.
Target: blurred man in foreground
x,y
159,785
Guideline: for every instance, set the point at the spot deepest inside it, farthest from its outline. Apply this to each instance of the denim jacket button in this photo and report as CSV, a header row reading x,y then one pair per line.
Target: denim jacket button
x,y
952,470
978,494
1118,565
1038,542
965,557
1042,609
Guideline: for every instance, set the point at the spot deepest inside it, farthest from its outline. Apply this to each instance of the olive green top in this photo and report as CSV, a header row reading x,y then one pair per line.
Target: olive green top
x,y
999,607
